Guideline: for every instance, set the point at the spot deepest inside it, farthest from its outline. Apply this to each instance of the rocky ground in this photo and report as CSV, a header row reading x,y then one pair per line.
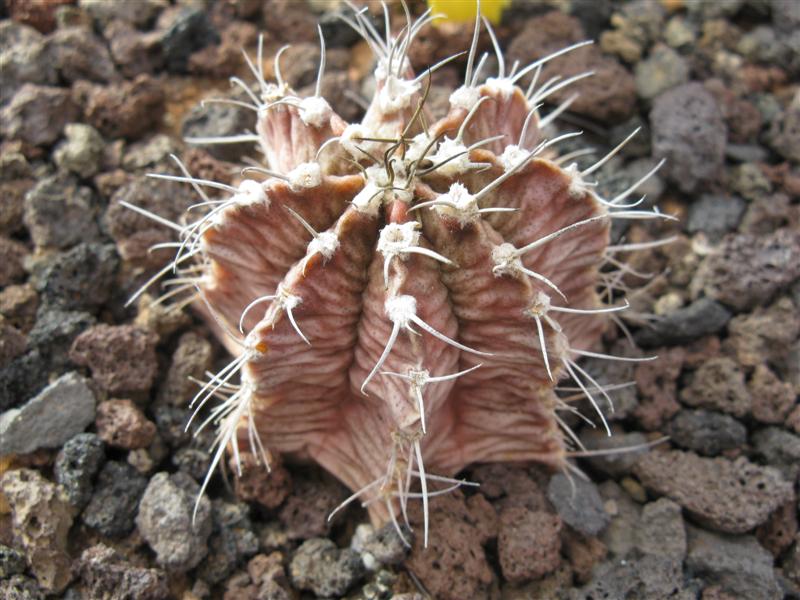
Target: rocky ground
x,y
98,479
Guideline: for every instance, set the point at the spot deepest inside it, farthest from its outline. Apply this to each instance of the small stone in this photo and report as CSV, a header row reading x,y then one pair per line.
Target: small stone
x,y
765,335
715,215
784,133
718,385
647,577
773,399
657,384
53,333
112,508
12,562
19,587
780,449
82,151
125,110
662,70
661,531
617,462
220,120
22,59
625,515
379,547
59,213
727,496
135,52
62,410
148,152
702,317
122,358
76,465
186,30
21,378
173,527
680,32
739,565
747,270
12,344
138,13
40,519
77,280
777,534
192,358
18,304
120,423
313,497
578,502
706,432
231,542
108,576
689,132
256,484
13,194
217,61
37,114
78,53
528,544
322,568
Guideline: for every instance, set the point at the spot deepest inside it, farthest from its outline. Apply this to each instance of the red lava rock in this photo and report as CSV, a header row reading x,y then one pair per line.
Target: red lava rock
x,y
40,14
529,544
78,54
120,423
733,497
37,114
453,566
134,52
290,21
128,109
510,485
773,399
609,95
657,384
305,512
484,517
223,59
766,335
741,116
747,270
778,533
122,358
718,385
11,269
583,553
257,484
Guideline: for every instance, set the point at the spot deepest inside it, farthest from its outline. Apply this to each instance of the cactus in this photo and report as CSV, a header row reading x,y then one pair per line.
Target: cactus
x,y
402,296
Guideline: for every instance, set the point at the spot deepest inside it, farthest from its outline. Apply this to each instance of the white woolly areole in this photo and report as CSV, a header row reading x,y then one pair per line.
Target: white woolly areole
x,y
448,149
369,199
459,203
325,243
465,97
501,85
401,309
417,146
396,94
512,156
248,193
396,238
577,186
354,130
506,260
315,111
540,305
304,176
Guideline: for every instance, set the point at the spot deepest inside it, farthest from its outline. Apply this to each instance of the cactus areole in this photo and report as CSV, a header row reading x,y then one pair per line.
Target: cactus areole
x,y
401,295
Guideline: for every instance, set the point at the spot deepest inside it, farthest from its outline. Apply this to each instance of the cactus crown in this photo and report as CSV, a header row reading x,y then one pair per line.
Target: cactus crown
x,y
401,296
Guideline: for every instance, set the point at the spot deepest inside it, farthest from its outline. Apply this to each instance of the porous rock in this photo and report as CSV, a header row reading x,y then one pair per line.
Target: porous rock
x,y
746,270
579,503
706,432
108,576
661,531
773,399
122,358
319,566
232,540
192,358
765,335
124,110
113,504
122,424
37,114
76,465
12,562
305,511
729,496
619,462
22,59
78,53
168,522
702,317
63,409
59,213
40,518
689,132
780,449
528,543
257,484
718,385
79,279
82,151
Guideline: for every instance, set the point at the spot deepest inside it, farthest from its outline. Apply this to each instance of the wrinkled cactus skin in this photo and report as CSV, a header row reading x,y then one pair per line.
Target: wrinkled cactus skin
x,y
401,295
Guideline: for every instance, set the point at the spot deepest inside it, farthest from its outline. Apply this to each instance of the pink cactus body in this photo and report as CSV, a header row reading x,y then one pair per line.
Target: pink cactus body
x,y
402,296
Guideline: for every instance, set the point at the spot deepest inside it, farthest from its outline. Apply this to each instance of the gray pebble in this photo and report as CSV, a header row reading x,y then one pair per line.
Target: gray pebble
x,y
168,522
139,13
82,151
53,333
661,531
60,411
644,577
715,215
688,130
738,564
702,317
662,70
78,53
76,465
112,507
37,114
616,464
784,134
322,568
578,502
232,541
187,30
780,449
59,213
706,432
21,378
22,59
